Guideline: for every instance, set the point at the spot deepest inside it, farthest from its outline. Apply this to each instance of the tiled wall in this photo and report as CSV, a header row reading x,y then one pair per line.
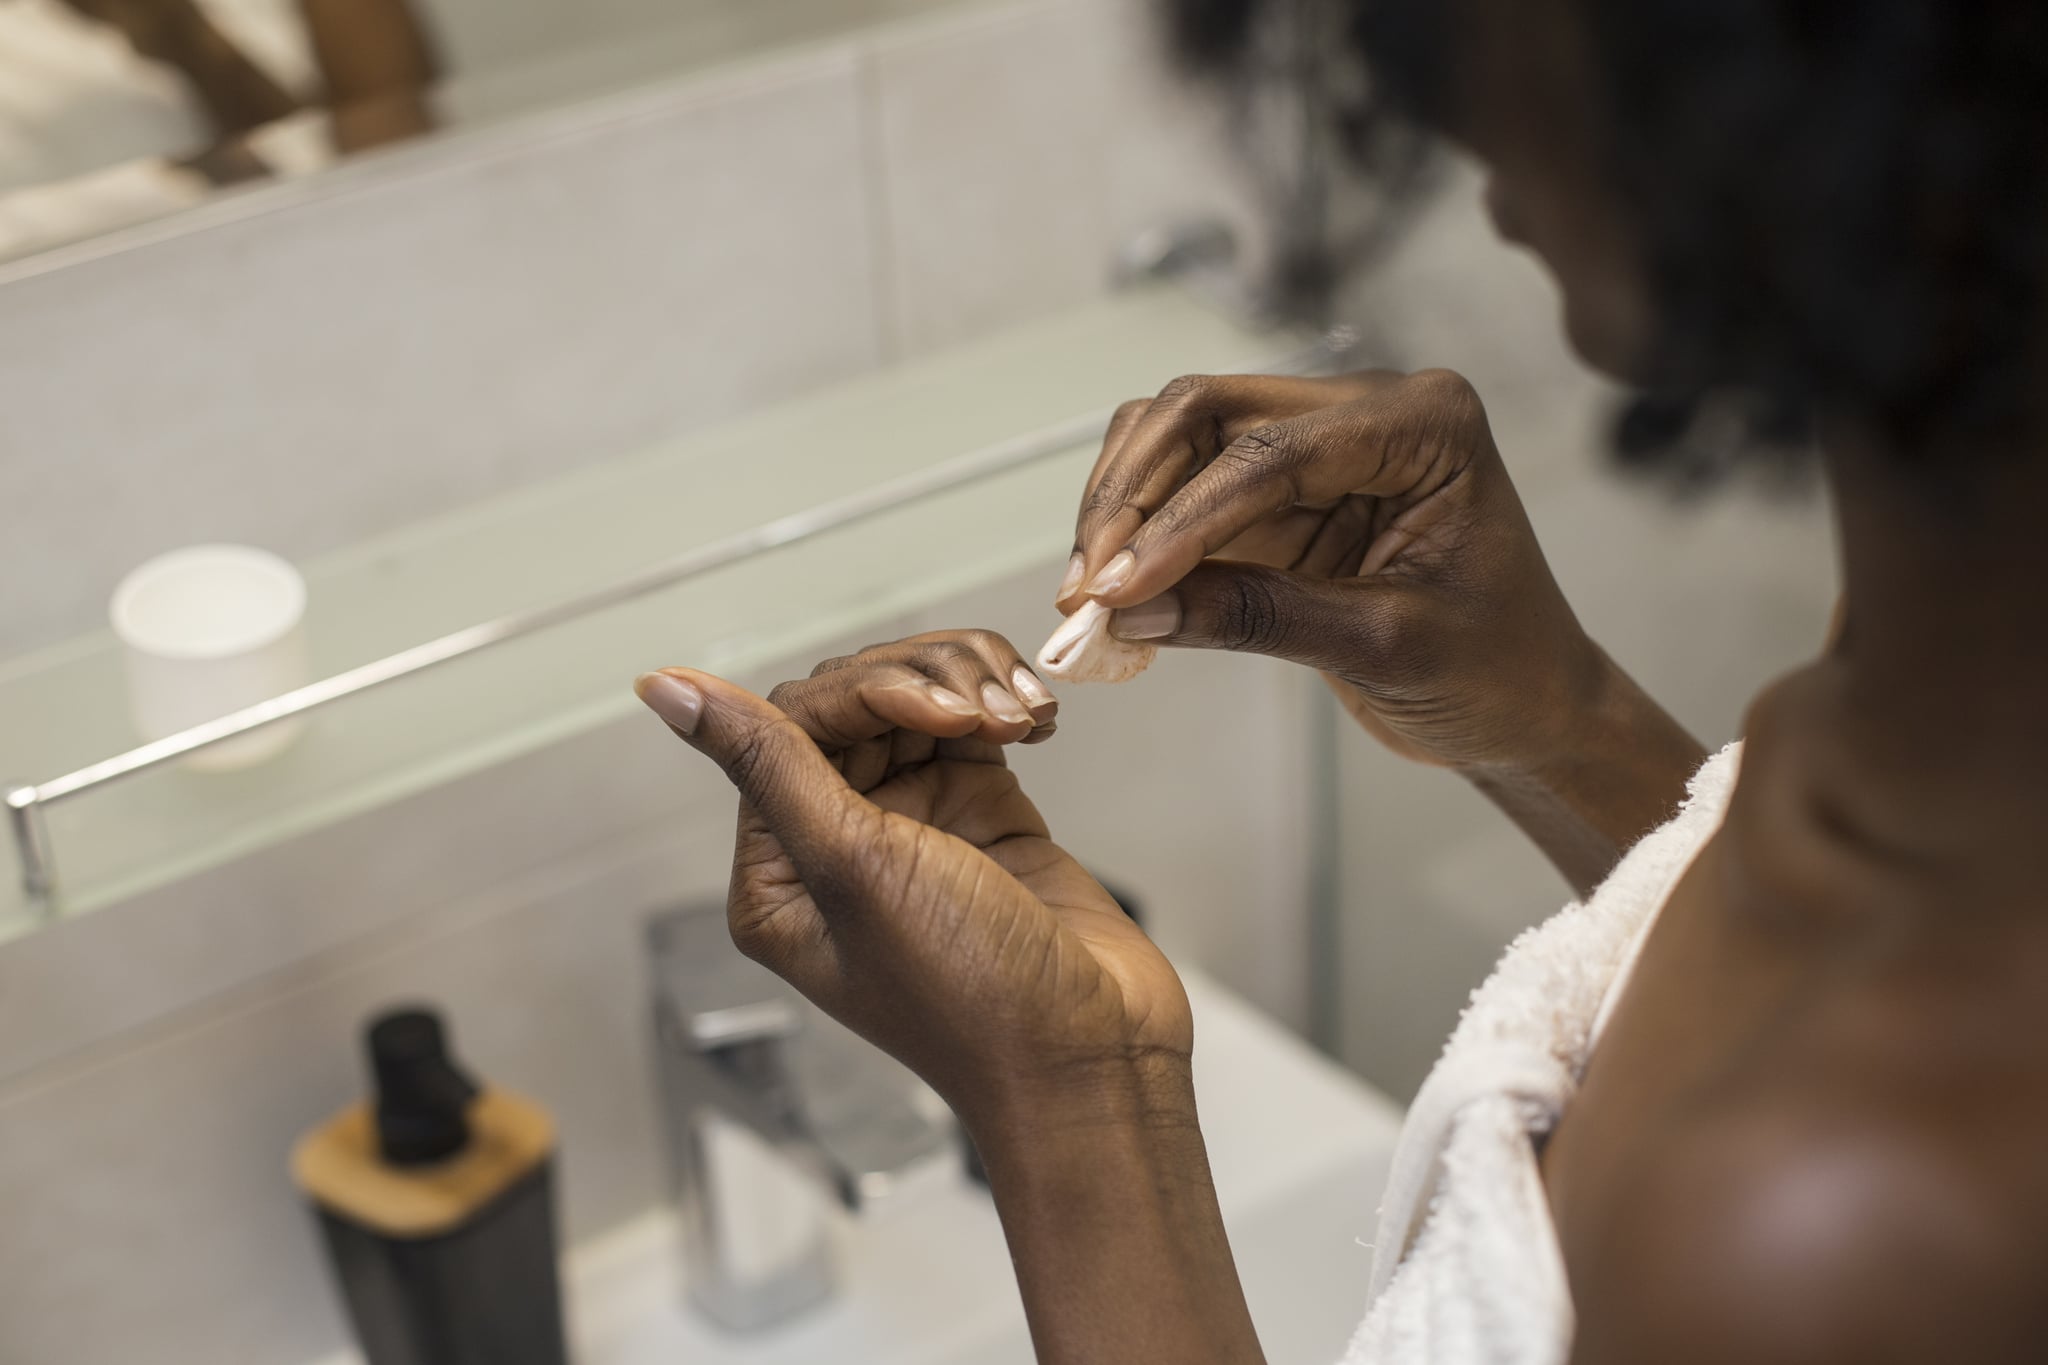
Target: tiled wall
x,y
323,362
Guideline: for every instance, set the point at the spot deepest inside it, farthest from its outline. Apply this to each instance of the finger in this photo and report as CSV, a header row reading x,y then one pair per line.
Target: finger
x,y
1166,441
1156,445
1008,667
1251,609
1194,422
1009,702
865,765
983,666
1120,424
1405,439
826,829
844,706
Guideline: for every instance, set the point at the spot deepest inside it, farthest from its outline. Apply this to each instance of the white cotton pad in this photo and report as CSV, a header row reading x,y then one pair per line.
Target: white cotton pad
x,y
1082,650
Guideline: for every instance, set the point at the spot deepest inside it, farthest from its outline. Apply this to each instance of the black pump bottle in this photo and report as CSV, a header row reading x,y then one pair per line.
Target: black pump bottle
x,y
436,1204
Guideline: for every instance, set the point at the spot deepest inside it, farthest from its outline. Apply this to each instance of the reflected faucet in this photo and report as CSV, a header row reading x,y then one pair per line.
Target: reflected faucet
x,y
768,1107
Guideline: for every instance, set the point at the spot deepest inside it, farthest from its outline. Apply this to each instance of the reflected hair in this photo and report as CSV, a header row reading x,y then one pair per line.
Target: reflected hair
x,y
1844,203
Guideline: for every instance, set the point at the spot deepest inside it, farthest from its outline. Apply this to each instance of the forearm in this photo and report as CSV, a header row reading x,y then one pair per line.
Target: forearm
x,y
377,62
1619,772
1105,1196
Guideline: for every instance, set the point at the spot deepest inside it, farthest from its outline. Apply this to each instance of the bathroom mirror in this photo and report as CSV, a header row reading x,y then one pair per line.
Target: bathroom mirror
x,y
118,112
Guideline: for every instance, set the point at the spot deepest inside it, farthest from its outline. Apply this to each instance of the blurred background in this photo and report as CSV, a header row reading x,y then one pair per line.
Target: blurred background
x,y
466,307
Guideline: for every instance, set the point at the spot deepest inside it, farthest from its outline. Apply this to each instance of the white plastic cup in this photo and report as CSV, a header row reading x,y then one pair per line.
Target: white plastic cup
x,y
210,629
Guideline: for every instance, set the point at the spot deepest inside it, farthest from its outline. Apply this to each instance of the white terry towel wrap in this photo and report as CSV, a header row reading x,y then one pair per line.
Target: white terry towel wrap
x,y
1466,1266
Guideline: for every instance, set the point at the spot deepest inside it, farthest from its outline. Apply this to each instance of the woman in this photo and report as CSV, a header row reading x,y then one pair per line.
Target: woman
x,y
1809,1132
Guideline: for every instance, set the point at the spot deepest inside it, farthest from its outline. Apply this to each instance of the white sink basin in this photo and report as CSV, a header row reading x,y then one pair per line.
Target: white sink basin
x,y
1299,1149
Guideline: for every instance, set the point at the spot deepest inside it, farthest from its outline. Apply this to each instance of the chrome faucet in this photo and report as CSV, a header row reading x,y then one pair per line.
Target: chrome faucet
x,y
770,1108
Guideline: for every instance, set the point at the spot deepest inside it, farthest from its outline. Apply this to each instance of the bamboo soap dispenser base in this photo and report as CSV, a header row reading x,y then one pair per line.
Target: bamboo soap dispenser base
x,y
436,1205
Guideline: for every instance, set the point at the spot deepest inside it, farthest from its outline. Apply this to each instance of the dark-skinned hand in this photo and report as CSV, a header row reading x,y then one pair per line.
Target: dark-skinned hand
x,y
889,866
1363,525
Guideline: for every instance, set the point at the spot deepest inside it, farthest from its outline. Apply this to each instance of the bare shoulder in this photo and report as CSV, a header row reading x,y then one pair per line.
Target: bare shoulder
x,y
1792,1227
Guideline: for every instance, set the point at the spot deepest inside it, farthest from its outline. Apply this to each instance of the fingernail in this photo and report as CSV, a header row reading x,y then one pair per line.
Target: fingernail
x,y
1001,704
674,700
1154,620
947,700
1030,690
1114,574
1075,567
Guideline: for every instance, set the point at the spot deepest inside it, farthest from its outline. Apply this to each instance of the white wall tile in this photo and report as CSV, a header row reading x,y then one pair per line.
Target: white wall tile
x,y
423,328
1169,151
988,142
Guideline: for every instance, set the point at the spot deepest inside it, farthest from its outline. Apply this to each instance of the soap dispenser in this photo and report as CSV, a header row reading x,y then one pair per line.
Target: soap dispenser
x,y
436,1206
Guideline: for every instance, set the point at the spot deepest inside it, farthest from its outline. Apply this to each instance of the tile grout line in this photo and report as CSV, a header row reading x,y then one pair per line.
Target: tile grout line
x,y
875,194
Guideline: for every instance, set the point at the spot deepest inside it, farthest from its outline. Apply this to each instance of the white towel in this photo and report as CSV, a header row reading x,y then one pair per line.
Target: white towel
x,y
1466,1266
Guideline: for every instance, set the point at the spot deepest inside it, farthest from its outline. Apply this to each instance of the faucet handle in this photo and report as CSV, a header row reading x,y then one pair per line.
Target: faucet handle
x,y
759,1021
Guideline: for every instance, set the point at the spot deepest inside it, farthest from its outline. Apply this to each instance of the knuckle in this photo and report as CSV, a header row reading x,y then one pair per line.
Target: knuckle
x,y
1251,619
943,656
982,641
756,929
1446,393
1187,391
756,762
1264,448
1269,455
1109,495
837,663
1129,411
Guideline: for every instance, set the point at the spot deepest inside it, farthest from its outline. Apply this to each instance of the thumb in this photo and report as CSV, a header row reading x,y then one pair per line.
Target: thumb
x,y
778,769
1328,624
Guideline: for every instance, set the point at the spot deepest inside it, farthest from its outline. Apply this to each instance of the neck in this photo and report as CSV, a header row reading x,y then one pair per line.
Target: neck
x,y
1933,701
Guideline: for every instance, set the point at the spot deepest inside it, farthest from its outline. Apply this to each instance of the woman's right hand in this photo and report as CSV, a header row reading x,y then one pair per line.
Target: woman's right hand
x,y
1364,525
1361,524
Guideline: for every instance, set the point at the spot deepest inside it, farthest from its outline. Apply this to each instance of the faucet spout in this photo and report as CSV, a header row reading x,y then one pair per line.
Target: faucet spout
x,y
740,1053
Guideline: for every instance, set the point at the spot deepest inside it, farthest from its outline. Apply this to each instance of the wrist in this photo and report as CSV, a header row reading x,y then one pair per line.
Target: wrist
x,y
1591,700
1615,731
1560,710
1615,770
1031,1111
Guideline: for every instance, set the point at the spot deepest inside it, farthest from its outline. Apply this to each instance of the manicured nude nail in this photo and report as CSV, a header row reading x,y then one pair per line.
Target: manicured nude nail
x,y
1075,568
1002,705
947,700
674,700
1154,620
1030,690
1114,574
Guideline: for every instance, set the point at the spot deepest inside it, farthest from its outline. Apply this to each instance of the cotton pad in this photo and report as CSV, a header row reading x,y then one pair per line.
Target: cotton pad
x,y
1082,650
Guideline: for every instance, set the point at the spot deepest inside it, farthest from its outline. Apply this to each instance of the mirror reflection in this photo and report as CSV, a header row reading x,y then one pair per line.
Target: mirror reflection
x,y
117,112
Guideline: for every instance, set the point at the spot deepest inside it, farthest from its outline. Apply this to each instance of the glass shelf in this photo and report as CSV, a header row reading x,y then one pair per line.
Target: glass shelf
x,y
64,708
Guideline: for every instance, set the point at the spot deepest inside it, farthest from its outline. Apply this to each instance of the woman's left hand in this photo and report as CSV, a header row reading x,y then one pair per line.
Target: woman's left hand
x,y
890,867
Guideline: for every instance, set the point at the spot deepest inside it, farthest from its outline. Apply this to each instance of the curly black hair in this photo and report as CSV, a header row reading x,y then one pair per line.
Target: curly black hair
x,y
1844,202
